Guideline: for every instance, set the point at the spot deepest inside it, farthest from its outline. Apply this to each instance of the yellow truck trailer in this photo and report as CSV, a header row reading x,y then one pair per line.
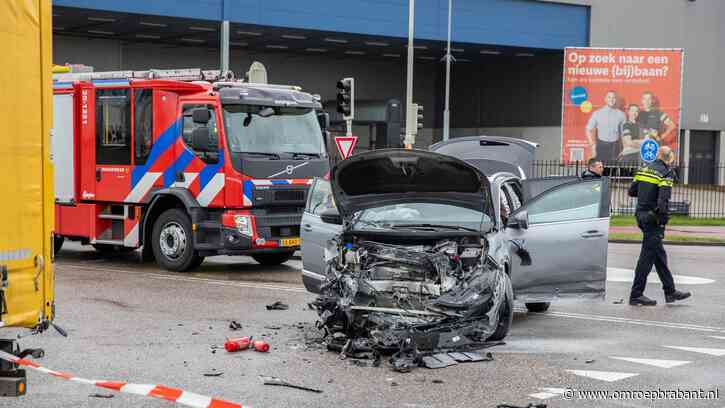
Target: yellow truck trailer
x,y
26,171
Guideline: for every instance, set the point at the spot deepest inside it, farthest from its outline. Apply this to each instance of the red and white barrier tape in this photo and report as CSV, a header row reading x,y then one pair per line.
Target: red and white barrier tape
x,y
176,395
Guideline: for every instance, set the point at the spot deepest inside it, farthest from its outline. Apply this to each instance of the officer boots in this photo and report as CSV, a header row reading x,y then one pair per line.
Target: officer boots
x,y
642,301
677,295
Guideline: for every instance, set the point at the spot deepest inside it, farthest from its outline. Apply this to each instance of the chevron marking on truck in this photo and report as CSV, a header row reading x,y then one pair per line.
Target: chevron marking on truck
x,y
176,395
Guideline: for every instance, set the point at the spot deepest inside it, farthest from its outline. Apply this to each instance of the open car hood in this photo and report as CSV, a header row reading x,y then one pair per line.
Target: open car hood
x,y
492,154
396,176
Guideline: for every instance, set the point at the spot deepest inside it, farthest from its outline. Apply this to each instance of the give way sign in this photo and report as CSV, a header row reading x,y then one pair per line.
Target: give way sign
x,y
345,145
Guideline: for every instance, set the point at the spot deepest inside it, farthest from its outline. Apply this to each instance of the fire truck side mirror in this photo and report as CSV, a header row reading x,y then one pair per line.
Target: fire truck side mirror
x,y
201,115
324,119
201,140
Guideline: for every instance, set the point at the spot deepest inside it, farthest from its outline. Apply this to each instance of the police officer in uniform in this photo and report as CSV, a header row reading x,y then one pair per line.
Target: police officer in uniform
x,y
652,186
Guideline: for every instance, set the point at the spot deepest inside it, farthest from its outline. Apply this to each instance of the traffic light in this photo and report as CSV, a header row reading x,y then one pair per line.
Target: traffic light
x,y
415,116
346,97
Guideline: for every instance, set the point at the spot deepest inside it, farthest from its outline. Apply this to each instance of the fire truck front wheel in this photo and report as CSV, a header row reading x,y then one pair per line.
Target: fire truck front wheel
x,y
173,243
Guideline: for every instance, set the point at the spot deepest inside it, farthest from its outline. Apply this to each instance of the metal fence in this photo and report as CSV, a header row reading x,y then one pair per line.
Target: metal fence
x,y
699,190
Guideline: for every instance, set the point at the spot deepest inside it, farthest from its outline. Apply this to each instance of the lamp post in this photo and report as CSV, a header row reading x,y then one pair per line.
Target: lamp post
x,y
410,126
446,110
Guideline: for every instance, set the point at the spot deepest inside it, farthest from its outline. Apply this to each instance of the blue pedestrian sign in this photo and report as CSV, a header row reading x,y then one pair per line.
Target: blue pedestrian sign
x,y
648,150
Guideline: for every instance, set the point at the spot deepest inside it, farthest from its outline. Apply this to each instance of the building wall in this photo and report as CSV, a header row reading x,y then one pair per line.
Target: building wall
x,y
696,26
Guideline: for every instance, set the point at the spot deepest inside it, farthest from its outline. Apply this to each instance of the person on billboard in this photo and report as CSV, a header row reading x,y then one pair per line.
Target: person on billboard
x,y
631,137
654,123
604,129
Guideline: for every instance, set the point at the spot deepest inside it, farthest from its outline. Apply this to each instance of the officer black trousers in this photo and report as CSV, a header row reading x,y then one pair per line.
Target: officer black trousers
x,y
653,253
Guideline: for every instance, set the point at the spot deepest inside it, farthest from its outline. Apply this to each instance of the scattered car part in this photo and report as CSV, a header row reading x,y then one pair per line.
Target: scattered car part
x,y
266,380
278,305
234,325
99,395
237,344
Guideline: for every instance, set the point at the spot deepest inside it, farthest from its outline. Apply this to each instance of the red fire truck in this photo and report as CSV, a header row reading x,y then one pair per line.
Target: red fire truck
x,y
184,163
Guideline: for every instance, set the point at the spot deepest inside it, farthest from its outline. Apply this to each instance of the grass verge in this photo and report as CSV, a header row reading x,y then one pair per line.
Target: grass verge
x,y
637,237
628,220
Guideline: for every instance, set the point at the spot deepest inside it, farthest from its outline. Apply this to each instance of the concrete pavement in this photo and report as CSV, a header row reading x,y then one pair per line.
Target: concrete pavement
x,y
130,321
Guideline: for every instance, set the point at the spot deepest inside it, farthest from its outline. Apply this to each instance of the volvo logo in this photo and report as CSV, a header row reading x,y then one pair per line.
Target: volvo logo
x,y
289,169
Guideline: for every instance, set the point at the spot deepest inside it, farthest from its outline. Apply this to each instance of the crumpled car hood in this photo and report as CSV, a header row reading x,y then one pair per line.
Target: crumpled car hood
x,y
396,176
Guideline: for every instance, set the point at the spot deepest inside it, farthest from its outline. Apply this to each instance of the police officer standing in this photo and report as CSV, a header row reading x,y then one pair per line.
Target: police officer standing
x,y
652,186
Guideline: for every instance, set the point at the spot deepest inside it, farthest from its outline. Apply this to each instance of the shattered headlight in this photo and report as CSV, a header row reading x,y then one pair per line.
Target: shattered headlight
x,y
244,224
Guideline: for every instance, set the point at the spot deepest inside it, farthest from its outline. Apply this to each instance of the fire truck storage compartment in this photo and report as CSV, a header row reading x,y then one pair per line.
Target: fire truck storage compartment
x,y
63,148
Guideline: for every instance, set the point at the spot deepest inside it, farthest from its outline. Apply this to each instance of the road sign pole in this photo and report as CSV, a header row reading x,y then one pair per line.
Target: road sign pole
x,y
348,125
446,111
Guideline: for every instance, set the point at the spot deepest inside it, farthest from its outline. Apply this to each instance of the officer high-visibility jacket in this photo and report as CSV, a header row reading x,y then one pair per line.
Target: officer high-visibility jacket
x,y
652,185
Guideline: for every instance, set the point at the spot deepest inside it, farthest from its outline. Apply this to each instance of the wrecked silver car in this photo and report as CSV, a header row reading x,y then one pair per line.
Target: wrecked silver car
x,y
419,245
411,263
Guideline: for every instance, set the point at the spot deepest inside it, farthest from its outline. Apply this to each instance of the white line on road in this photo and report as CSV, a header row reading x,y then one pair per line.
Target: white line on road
x,y
547,393
624,320
627,275
653,362
702,350
608,376
718,337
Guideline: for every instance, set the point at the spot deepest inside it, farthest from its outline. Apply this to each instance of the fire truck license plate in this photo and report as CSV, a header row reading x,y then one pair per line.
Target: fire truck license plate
x,y
288,242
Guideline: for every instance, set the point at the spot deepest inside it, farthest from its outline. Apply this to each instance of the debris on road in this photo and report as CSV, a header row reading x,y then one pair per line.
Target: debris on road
x,y
99,395
442,360
213,373
237,344
266,380
243,343
234,325
516,406
590,361
618,301
278,305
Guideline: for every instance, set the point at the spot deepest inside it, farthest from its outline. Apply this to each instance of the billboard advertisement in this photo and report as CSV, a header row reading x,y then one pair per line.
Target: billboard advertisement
x,y
615,99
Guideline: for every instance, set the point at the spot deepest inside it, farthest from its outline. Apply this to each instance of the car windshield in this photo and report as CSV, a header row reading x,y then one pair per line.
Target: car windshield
x,y
277,130
421,215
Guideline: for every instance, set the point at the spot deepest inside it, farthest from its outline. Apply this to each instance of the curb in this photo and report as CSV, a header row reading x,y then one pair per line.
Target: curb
x,y
708,244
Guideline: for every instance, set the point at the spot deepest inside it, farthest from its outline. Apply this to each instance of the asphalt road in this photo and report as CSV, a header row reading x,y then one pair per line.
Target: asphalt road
x,y
133,322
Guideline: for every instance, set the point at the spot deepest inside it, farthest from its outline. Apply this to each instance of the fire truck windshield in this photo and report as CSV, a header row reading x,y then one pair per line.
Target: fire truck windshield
x,y
286,130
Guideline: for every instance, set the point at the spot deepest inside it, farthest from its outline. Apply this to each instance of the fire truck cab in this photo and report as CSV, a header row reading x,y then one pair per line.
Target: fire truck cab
x,y
184,163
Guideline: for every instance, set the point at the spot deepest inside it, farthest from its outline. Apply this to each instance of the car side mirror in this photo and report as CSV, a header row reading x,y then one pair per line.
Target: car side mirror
x,y
201,115
331,216
201,140
519,220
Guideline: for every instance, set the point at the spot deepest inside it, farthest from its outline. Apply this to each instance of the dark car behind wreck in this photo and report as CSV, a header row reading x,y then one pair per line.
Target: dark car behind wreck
x,y
411,272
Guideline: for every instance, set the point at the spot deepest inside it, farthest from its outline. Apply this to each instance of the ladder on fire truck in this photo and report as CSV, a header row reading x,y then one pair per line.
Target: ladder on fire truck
x,y
218,78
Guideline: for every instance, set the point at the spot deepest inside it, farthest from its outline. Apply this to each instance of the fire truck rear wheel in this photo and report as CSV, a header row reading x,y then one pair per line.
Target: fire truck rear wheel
x,y
273,258
173,243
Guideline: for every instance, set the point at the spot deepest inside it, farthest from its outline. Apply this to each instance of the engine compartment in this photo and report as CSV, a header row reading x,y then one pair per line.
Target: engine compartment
x,y
412,294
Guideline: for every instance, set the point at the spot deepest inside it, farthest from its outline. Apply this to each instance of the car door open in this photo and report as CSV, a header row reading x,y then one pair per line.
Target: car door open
x,y
315,234
565,232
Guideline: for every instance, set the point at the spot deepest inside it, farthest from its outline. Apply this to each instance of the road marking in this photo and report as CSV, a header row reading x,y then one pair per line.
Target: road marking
x,y
295,289
718,337
623,320
627,275
547,393
702,350
608,376
653,362
230,283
